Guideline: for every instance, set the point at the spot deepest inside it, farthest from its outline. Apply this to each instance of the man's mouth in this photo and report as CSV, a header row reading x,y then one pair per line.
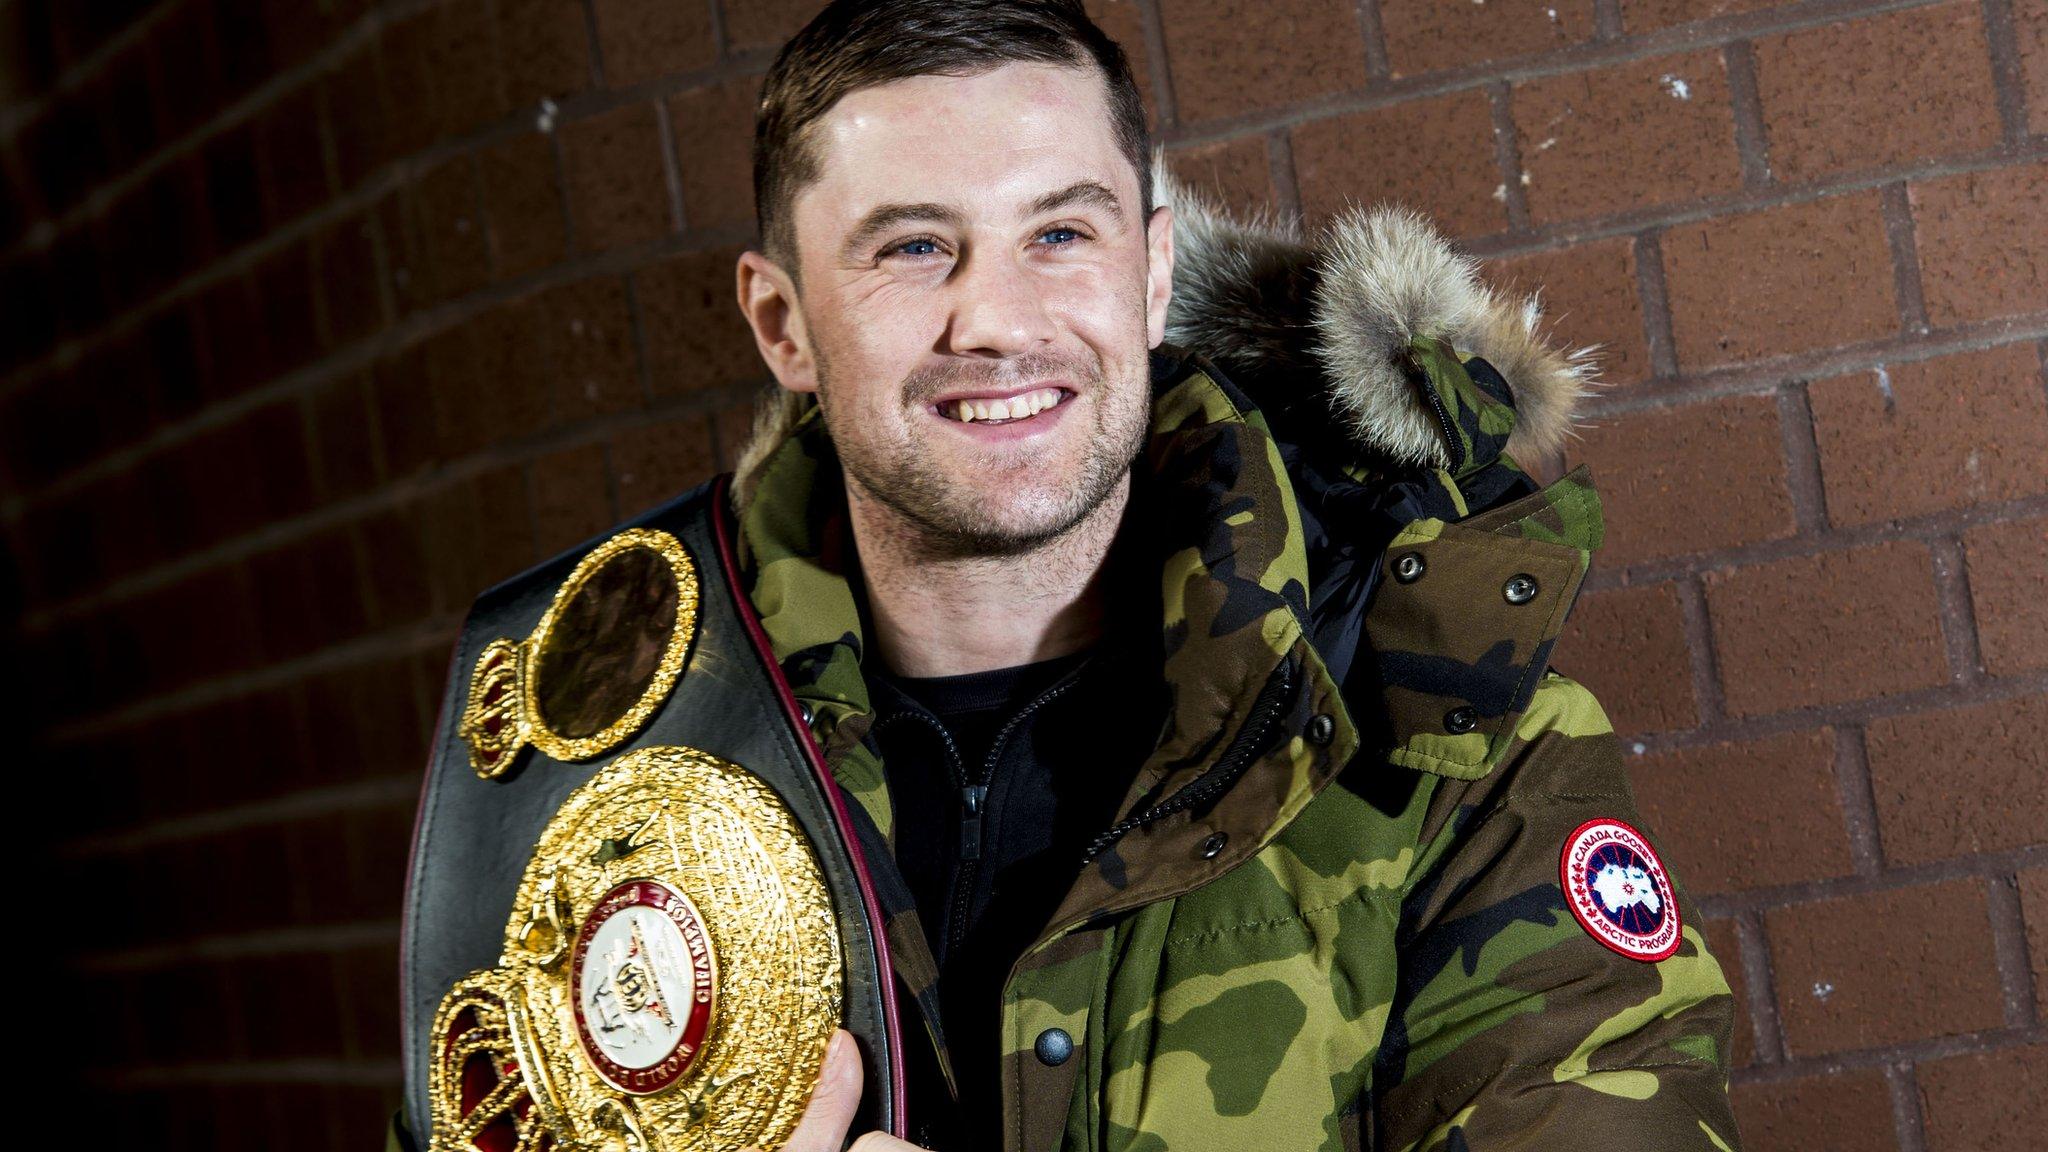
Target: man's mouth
x,y
1003,410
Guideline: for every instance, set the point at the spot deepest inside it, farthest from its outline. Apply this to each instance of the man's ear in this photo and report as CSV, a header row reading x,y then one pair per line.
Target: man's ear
x,y
1158,272
769,302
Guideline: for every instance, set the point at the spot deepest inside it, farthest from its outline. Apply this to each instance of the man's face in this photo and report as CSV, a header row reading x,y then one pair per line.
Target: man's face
x,y
979,299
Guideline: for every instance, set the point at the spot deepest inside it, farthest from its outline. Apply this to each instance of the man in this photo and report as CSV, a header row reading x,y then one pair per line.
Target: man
x,y
1165,596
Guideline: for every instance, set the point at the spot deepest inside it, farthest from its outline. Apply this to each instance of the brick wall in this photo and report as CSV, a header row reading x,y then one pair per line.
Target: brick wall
x,y
324,314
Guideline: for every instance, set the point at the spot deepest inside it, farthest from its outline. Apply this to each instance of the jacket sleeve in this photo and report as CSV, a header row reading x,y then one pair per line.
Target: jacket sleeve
x,y
1512,1026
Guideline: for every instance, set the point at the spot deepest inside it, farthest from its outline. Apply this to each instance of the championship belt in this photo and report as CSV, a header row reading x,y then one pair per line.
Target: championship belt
x,y
685,921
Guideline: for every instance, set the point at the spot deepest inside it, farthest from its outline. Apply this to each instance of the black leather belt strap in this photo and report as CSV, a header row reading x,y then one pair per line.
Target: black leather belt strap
x,y
472,838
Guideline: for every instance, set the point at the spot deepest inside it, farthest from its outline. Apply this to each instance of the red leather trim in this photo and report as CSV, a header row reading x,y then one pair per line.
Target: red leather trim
x,y
729,563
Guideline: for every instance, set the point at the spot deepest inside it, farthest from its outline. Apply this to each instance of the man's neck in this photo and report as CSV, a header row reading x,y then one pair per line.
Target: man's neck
x,y
937,613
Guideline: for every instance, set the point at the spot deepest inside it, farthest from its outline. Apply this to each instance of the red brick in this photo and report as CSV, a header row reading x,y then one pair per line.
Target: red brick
x,y
234,193
297,29
1628,645
476,532
618,193
402,403
490,379
1811,631
587,332
1233,57
352,93
1124,22
348,279
732,428
523,205
1983,251
284,286
344,457
714,131
1655,467
309,594
2030,28
1994,779
1398,153
1786,279
652,463
1984,1099
1848,1108
640,41
289,156
571,497
1648,15
1900,88
1588,295
2008,568
1924,436
400,587
1842,965
1726,945
545,49
1657,131
1747,814
2034,905
766,23
1430,36
369,993
439,74
1234,173
448,254
366,723
696,337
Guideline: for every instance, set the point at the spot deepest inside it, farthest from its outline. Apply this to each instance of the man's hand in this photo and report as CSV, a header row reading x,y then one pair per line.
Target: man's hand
x,y
824,1123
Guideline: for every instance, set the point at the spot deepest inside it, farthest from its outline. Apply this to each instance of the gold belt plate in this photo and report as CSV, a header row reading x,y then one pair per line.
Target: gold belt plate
x,y
670,976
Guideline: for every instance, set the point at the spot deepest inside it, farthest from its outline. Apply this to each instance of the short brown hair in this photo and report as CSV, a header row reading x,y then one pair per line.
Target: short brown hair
x,y
856,44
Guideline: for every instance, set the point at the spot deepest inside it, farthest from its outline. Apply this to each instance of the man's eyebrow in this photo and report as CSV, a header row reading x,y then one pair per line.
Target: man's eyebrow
x,y
1079,192
883,217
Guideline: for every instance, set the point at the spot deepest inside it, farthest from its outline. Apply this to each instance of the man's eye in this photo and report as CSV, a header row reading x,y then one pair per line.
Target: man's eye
x,y
1067,231
915,246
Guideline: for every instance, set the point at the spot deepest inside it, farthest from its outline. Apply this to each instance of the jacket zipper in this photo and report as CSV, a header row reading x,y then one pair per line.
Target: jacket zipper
x,y
1252,741
973,811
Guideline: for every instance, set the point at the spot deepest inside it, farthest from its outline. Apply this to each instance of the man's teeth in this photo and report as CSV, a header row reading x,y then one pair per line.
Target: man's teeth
x,y
1015,408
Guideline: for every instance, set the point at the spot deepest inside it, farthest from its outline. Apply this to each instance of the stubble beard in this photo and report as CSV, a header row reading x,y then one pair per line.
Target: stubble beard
x,y
949,518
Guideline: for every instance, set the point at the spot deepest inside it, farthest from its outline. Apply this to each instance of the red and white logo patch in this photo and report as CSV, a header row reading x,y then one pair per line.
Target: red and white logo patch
x,y
1617,890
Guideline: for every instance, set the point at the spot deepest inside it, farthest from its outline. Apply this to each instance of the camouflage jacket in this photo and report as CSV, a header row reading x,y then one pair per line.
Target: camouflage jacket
x,y
1333,912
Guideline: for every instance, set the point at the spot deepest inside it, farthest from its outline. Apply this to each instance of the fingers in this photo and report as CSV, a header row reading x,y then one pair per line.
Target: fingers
x,y
824,1124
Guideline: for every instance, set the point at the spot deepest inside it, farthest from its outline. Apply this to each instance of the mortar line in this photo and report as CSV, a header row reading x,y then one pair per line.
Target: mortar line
x,y
1857,794
1956,609
1801,447
2009,940
2008,79
1908,289
1654,294
1907,1123
1507,157
1760,982
1752,137
1372,30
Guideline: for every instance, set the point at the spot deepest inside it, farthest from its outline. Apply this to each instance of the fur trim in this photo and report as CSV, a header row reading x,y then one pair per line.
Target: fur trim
x,y
1262,301
1274,308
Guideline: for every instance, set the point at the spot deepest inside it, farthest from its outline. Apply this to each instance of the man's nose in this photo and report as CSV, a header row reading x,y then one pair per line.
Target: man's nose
x,y
997,307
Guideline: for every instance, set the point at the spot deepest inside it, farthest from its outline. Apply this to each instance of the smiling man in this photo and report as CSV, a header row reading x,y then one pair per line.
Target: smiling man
x,y
1146,617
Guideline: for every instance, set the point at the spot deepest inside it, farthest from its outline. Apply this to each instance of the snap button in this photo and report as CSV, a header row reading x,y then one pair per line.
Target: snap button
x,y
805,710
1461,719
1408,567
1053,1047
1520,588
1322,728
1213,846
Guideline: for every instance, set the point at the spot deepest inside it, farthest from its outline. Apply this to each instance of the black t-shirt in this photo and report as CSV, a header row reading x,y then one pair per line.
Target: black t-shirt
x,y
1055,745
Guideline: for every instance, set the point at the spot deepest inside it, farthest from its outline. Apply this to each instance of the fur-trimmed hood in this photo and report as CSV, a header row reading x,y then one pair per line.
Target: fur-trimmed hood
x,y
1273,306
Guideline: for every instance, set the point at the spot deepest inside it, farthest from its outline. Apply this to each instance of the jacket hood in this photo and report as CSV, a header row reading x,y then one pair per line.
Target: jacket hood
x,y
1274,305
